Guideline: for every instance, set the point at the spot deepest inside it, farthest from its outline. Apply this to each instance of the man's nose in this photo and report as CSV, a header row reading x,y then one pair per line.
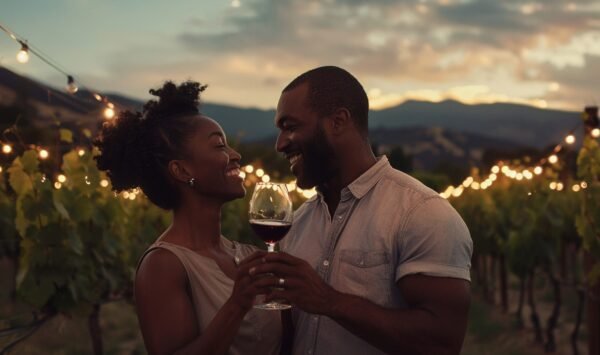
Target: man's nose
x,y
281,143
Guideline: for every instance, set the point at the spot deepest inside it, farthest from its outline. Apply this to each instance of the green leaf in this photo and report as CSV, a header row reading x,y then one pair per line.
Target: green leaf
x,y
66,135
19,180
30,161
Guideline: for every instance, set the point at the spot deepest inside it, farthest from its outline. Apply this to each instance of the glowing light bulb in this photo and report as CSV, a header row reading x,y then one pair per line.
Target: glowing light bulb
x,y
570,139
109,113
584,185
576,188
468,181
104,183
505,170
560,186
596,132
23,55
538,170
57,185
553,159
260,172
552,185
71,86
291,186
495,169
6,149
43,154
61,178
81,152
519,176
266,178
97,97
249,169
475,185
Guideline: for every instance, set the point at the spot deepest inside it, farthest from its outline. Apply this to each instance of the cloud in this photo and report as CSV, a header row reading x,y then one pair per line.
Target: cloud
x,y
405,48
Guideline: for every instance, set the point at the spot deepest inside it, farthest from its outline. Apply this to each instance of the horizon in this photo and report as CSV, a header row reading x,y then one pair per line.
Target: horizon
x,y
472,51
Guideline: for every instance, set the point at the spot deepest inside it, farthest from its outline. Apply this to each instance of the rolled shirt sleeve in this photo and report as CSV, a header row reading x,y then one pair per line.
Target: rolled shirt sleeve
x,y
435,241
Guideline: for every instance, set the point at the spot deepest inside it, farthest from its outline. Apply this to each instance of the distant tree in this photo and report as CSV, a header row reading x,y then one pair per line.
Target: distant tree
x,y
400,160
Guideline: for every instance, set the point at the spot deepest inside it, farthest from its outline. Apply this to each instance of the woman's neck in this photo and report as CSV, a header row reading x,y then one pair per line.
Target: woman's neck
x,y
196,225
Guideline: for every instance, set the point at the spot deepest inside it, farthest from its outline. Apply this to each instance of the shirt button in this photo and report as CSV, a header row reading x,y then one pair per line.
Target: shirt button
x,y
326,263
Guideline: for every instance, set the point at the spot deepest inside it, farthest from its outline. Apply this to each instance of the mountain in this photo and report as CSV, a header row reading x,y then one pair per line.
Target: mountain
x,y
480,125
522,124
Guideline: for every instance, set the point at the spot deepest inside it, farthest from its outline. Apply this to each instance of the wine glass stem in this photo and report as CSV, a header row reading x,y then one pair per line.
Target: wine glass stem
x,y
271,247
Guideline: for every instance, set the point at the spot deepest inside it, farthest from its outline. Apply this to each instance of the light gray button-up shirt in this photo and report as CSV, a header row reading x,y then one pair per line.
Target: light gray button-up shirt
x,y
386,226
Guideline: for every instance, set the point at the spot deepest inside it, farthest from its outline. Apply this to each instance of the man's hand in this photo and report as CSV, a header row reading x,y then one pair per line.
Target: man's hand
x,y
303,287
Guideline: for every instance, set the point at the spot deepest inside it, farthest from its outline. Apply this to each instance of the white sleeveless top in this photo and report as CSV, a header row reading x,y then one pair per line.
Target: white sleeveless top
x,y
260,330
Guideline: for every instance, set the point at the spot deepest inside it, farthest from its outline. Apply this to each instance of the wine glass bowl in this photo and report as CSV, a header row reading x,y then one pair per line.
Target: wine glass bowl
x,y
270,212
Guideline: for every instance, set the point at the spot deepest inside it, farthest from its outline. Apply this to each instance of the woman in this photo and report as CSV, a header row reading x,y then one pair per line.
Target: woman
x,y
191,295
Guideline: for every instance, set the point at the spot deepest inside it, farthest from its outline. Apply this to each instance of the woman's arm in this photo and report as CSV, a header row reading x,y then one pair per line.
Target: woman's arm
x,y
167,316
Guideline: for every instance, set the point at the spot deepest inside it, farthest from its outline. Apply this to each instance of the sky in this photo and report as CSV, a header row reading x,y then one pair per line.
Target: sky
x,y
544,53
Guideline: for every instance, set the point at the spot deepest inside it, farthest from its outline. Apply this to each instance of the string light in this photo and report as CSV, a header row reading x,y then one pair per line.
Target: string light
x,y
61,178
104,183
71,86
249,169
6,149
553,159
81,152
266,178
559,186
23,55
0,169
584,185
538,170
57,185
553,185
260,172
570,139
576,188
595,132
495,169
468,181
43,154
109,113
242,174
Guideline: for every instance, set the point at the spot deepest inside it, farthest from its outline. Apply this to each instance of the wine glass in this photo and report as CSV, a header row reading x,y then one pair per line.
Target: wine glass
x,y
270,217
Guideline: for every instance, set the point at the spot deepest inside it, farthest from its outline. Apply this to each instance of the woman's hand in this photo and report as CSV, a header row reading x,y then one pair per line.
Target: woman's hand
x,y
246,287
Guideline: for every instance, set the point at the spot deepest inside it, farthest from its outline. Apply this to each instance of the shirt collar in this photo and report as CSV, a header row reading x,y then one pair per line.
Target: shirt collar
x,y
365,182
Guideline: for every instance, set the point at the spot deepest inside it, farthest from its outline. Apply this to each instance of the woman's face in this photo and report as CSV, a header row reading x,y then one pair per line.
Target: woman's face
x,y
214,165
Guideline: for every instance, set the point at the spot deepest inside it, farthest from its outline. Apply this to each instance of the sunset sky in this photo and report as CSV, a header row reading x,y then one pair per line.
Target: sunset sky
x,y
544,53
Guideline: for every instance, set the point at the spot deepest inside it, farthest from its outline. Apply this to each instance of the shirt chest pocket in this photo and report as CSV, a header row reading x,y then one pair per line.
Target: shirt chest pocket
x,y
366,274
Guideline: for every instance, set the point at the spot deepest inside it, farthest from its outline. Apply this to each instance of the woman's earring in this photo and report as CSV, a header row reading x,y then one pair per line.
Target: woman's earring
x,y
191,182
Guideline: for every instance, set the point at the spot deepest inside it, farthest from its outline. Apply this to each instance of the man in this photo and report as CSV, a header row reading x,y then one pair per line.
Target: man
x,y
376,262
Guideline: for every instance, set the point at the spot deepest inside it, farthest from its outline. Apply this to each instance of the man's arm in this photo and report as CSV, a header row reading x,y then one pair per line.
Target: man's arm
x,y
434,322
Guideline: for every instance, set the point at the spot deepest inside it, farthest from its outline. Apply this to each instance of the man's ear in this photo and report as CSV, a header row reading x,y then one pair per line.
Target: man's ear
x,y
178,171
341,121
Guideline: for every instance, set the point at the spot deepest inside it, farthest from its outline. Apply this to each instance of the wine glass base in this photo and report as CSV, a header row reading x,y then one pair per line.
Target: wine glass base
x,y
273,306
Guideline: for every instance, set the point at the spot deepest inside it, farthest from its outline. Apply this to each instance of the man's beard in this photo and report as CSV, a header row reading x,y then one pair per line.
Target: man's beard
x,y
318,159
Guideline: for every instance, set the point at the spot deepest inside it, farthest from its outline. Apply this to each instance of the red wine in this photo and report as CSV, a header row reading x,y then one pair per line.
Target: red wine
x,y
270,231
